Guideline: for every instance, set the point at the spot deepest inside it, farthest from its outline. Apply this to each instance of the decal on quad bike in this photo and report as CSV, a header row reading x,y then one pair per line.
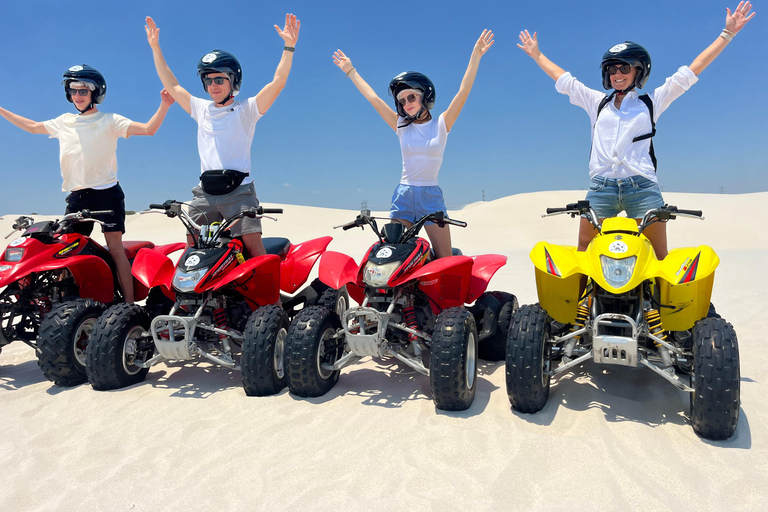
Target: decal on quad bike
x,y
618,247
427,283
551,268
16,242
68,249
5,267
384,252
192,261
684,266
690,274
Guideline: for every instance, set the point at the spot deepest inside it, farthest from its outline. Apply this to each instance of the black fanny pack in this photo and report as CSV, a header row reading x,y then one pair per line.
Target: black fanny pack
x,y
218,183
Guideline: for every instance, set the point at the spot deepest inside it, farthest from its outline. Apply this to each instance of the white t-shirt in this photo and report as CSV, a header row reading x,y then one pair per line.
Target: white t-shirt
x,y
88,148
225,134
614,155
422,146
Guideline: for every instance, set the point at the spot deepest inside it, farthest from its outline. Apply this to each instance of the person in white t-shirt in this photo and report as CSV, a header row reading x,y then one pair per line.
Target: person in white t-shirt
x,y
88,146
225,130
622,164
422,138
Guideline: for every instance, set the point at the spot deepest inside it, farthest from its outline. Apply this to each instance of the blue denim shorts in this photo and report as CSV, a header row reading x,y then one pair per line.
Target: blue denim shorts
x,y
634,195
411,203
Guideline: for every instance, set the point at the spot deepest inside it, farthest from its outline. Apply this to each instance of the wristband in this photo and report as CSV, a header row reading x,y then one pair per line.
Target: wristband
x,y
727,35
289,48
348,72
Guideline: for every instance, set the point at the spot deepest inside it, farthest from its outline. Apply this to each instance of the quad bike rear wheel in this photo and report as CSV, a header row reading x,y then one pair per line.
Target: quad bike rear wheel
x,y
311,348
262,360
119,340
715,379
527,361
64,335
453,360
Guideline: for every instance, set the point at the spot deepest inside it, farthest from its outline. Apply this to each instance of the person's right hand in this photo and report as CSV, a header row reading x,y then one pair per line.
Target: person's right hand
x,y
530,44
342,61
153,33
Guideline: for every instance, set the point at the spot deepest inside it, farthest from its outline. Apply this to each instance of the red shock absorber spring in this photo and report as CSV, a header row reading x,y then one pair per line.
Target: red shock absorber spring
x,y
220,319
409,316
44,304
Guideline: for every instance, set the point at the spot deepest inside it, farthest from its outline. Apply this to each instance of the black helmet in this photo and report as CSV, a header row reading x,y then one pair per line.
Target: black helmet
x,y
87,74
627,53
219,61
413,80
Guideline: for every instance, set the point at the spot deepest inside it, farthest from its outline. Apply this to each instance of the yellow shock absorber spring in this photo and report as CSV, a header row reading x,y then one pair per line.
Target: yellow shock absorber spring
x,y
582,315
655,327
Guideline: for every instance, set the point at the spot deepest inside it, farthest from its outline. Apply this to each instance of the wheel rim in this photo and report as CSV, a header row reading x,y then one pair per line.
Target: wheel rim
x,y
279,353
546,358
131,350
471,361
80,339
323,356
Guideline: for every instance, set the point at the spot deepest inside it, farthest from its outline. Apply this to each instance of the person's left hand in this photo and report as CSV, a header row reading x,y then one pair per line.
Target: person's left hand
x,y
166,98
290,32
736,21
482,44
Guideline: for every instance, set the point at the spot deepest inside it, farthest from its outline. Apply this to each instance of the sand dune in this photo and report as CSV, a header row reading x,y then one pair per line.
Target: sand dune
x,y
610,438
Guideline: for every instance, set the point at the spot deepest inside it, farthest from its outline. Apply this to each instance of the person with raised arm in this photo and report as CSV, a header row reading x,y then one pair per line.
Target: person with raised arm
x,y
422,138
622,163
225,129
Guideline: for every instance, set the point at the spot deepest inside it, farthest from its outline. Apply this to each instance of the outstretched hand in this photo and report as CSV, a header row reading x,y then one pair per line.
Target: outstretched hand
x,y
153,33
166,98
484,43
530,44
736,21
341,60
290,32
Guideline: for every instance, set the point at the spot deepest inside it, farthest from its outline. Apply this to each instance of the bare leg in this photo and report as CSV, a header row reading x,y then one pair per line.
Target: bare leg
x,y
657,234
115,244
441,240
254,245
586,233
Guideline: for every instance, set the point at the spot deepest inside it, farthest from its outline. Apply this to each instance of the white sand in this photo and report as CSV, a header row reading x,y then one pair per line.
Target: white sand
x,y
610,438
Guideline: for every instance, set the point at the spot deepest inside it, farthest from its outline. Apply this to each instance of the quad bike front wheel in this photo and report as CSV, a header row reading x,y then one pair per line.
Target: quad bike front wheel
x,y
119,340
310,351
453,360
527,359
64,335
262,360
715,379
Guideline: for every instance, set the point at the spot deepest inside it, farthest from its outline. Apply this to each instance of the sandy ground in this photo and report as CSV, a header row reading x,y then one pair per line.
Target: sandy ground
x,y
610,438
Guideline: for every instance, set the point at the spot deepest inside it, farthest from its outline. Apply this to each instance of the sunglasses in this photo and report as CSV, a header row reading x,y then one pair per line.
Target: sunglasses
x,y
408,99
623,69
218,80
78,92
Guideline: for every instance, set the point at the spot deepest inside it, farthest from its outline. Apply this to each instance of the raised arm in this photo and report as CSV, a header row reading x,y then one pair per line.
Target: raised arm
x,y
24,123
385,111
170,83
531,47
733,23
290,34
151,126
454,109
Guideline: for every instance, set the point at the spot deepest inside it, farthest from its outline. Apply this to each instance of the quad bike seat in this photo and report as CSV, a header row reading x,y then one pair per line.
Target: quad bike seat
x,y
278,246
455,251
132,247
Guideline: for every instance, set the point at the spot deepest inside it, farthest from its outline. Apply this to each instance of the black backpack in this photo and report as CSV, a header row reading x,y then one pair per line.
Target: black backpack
x,y
648,103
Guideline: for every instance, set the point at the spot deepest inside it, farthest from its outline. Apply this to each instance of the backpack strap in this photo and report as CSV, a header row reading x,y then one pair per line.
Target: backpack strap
x,y
648,103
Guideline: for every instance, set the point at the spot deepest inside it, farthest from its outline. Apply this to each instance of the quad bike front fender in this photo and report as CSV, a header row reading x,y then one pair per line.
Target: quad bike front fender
x,y
170,248
337,270
257,280
446,281
558,278
483,269
298,263
151,267
686,279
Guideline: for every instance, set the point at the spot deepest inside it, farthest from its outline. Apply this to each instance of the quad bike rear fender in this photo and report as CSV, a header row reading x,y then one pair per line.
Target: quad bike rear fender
x,y
298,263
483,269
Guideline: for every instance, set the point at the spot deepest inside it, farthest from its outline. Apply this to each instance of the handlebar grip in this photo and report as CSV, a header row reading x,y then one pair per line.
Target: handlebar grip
x,y
459,223
103,212
156,206
695,213
351,225
272,210
556,210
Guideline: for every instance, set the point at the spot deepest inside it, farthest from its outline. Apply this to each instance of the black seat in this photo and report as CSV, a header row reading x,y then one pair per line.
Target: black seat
x,y
278,246
455,251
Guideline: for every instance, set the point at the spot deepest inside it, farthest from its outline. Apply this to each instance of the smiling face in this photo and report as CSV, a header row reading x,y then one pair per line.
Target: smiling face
x,y
410,100
621,81
81,102
219,92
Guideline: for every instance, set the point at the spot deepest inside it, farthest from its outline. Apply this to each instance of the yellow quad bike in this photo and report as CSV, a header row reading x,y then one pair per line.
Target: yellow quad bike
x,y
616,304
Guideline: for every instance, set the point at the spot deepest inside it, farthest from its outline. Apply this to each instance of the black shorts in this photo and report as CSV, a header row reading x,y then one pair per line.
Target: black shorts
x,y
111,198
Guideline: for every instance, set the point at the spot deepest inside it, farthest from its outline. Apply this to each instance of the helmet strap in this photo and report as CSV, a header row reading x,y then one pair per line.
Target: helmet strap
x,y
221,104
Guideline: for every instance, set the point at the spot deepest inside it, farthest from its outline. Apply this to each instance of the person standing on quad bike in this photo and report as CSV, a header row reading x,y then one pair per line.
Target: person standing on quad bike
x,y
622,164
422,138
88,156
225,131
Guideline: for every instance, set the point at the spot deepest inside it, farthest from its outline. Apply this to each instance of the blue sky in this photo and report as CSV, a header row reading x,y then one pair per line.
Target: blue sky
x,y
322,144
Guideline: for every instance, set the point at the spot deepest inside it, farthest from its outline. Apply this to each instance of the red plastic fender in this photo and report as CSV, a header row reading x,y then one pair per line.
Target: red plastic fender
x,y
170,248
257,280
153,268
445,281
337,269
298,263
92,276
483,269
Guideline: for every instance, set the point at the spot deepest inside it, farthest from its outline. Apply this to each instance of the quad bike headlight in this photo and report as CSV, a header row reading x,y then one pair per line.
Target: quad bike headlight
x,y
377,275
14,254
186,281
618,272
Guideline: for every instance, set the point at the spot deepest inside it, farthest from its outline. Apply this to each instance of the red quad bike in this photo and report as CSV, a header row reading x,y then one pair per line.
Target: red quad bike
x,y
57,283
409,304
224,306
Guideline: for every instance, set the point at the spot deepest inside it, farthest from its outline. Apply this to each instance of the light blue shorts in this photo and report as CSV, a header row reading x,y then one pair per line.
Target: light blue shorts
x,y
634,195
411,203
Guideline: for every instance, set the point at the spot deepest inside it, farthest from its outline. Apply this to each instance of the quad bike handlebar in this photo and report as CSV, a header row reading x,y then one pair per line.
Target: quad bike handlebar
x,y
663,214
439,218
24,222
